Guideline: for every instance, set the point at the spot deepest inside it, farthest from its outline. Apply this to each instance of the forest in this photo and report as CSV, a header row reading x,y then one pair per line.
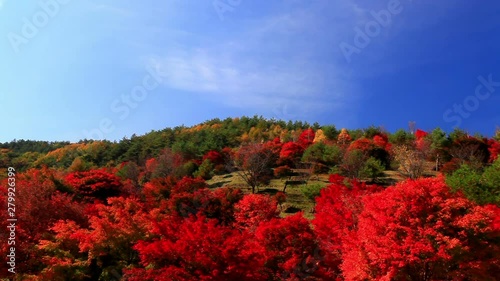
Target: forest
x,y
251,198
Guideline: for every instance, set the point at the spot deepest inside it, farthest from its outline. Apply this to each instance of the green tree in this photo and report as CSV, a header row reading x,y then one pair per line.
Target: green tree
x,y
491,182
372,169
311,191
401,137
206,170
482,188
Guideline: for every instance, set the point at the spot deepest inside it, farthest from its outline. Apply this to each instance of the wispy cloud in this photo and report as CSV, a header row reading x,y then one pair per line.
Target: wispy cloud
x,y
2,2
271,62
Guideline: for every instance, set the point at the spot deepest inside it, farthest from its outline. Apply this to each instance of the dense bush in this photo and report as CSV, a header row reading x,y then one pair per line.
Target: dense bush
x,y
372,169
311,191
482,187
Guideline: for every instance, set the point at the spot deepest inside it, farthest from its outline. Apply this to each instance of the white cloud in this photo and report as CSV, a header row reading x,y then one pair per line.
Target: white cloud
x,y
268,65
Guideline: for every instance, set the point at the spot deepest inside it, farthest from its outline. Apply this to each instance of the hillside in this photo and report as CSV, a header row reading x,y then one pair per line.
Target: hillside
x,y
253,199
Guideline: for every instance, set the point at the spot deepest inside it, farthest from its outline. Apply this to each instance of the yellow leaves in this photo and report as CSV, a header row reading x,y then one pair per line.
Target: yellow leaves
x,y
319,137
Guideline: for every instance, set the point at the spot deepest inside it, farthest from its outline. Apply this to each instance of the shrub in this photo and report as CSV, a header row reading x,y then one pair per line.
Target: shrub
x,y
311,191
482,188
491,181
205,170
372,169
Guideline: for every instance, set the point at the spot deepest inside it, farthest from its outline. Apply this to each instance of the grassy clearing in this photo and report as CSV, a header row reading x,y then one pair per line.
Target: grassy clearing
x,y
296,201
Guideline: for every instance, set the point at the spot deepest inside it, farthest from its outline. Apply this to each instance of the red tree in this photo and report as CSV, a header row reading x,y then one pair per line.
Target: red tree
x,y
254,209
81,252
306,138
214,156
97,184
38,205
254,163
494,149
419,134
337,209
291,251
198,249
290,154
419,230
362,144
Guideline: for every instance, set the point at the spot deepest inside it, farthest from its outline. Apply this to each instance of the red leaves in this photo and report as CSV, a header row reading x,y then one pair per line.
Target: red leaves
x,y
254,209
494,149
419,228
306,138
95,184
199,249
215,157
337,211
419,134
362,144
290,247
382,141
290,153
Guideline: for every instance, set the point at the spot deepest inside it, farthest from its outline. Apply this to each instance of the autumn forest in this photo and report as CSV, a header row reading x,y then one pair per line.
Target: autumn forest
x,y
253,199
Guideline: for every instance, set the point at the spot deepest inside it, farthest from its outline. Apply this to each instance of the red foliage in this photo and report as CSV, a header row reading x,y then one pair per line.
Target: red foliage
x,y
158,189
151,165
362,144
198,249
214,156
254,209
419,134
37,205
337,209
97,184
218,205
494,149
382,141
274,145
423,144
291,251
113,230
420,230
189,185
290,153
306,138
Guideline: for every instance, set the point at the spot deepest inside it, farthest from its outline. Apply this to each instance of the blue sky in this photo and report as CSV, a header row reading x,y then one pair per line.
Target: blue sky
x,y
89,69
